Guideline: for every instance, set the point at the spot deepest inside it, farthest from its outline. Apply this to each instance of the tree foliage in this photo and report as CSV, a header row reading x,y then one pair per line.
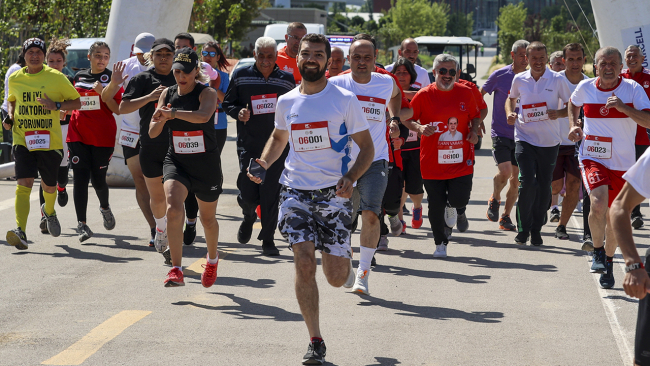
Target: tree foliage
x,y
460,24
511,27
414,18
225,19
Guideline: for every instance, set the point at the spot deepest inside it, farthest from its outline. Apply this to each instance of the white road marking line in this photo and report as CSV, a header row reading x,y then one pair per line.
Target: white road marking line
x,y
10,202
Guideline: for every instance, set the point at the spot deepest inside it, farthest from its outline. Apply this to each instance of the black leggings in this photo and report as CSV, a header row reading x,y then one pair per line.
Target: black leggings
x,y
455,191
80,180
61,181
586,208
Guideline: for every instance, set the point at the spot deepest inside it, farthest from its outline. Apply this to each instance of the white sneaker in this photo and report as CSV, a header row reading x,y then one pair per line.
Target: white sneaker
x,y
441,251
160,241
383,243
361,282
450,216
395,225
351,277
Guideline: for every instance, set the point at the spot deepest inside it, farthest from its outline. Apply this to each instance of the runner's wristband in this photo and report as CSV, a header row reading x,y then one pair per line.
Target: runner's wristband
x,y
634,266
399,120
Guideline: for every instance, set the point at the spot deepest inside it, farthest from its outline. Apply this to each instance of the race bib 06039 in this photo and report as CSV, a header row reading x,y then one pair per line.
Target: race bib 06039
x,y
373,108
37,140
188,142
310,136
89,101
264,104
534,112
597,147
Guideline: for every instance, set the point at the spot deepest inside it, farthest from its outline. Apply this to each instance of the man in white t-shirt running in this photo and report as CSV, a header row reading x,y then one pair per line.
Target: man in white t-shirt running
x,y
319,121
613,106
375,93
410,51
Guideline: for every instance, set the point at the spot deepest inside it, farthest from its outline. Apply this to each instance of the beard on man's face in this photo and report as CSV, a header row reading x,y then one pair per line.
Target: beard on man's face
x,y
311,74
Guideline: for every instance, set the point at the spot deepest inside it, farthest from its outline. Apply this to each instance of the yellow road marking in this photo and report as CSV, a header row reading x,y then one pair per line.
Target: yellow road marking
x,y
93,341
195,268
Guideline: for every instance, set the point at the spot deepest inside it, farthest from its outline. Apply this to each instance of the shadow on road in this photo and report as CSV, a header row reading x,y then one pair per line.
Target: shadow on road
x,y
248,310
401,271
486,263
432,312
385,361
78,254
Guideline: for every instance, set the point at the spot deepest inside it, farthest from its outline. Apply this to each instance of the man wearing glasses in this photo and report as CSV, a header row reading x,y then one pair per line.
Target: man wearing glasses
x,y
287,56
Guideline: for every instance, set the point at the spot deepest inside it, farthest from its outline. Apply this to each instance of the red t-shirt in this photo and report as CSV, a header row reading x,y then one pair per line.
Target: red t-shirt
x,y
94,123
643,78
288,64
445,154
477,93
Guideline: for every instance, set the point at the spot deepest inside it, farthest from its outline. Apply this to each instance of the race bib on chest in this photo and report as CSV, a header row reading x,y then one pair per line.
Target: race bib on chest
x,y
188,142
597,147
129,138
450,152
413,136
264,104
37,140
89,101
373,108
310,136
534,112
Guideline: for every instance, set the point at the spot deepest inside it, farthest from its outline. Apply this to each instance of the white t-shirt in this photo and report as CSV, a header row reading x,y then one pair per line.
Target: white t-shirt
x,y
422,79
373,97
639,175
535,99
565,125
319,128
132,67
609,134
447,136
13,68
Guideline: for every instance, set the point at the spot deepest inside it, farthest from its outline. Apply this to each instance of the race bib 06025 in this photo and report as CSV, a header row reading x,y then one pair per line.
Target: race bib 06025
x,y
37,140
310,136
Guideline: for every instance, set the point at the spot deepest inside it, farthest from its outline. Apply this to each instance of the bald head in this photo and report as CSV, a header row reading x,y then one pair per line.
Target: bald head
x,y
361,43
409,50
362,59
338,51
336,62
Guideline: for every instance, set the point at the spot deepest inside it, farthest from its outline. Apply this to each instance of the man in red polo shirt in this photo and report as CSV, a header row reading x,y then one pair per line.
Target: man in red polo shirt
x,y
634,59
287,56
447,164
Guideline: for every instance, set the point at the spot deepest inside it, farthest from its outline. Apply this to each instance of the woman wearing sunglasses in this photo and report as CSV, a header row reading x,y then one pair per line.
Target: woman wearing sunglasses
x,y
213,55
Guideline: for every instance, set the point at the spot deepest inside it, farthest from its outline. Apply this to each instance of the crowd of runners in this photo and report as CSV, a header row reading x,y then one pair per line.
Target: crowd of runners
x,y
321,149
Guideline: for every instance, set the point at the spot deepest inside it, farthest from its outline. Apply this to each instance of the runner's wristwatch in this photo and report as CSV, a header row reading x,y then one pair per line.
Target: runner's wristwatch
x,y
58,105
634,266
399,120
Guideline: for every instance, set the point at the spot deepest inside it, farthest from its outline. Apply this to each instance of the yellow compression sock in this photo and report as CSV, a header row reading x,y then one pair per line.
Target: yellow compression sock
x,y
49,202
22,206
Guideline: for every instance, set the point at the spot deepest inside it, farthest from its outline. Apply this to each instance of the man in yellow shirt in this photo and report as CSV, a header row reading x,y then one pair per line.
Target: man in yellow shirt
x,y
36,95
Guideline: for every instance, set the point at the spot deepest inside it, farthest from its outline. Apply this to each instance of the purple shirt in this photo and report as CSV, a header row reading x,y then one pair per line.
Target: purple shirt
x,y
500,82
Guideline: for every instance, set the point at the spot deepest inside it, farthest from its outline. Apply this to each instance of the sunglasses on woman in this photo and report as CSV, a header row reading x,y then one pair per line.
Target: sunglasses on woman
x,y
206,53
443,71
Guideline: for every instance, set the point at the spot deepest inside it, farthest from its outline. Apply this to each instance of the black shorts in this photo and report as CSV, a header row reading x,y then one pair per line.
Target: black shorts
x,y
129,152
642,339
30,163
200,174
411,172
84,156
503,150
393,193
566,162
152,158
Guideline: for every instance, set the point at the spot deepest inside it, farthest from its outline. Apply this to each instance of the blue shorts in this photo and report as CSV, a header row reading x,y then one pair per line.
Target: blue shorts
x,y
369,193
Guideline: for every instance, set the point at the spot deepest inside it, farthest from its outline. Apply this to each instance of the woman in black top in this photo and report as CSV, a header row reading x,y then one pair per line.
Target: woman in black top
x,y
187,110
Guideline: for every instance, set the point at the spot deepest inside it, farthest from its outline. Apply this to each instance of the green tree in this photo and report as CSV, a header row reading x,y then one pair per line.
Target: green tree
x,y
460,24
511,27
225,19
414,18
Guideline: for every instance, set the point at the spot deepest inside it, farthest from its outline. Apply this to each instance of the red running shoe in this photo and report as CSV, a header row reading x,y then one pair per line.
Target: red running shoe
x,y
209,274
416,222
258,210
174,278
403,227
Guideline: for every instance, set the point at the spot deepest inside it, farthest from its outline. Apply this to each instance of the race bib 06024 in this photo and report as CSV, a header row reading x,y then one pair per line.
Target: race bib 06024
x,y
597,147
188,142
310,136
264,104
534,112
129,138
37,140
450,152
90,101
373,108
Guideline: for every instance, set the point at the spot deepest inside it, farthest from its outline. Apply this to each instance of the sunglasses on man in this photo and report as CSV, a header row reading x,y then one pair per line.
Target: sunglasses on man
x,y
443,71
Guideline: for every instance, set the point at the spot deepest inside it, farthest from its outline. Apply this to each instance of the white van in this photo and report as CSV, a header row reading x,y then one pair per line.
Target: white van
x,y
78,55
277,31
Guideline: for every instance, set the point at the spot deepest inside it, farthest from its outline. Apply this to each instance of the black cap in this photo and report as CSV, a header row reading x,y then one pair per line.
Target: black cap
x,y
33,42
161,43
185,60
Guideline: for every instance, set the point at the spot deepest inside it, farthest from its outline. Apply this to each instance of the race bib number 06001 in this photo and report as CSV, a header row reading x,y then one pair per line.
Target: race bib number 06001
x,y
310,136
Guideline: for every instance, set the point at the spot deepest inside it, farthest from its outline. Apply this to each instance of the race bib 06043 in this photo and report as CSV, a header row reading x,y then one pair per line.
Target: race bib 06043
x,y
450,152
597,147
37,140
310,136
373,108
129,138
89,101
188,142
264,104
534,112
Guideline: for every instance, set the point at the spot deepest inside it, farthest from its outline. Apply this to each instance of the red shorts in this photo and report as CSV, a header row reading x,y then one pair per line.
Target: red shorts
x,y
595,175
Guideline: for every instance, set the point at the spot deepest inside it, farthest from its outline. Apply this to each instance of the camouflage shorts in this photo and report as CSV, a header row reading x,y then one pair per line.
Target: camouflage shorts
x,y
319,216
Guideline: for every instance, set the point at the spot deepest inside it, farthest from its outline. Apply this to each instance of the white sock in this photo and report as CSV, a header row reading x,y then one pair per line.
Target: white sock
x,y
179,268
161,223
365,258
213,261
187,221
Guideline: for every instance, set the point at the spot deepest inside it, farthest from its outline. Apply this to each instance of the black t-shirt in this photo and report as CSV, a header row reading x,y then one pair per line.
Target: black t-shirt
x,y
189,102
141,85
411,145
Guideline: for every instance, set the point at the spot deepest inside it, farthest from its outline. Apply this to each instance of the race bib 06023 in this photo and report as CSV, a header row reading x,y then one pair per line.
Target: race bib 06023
x,y
129,138
310,136
188,142
37,140
373,108
450,152
597,147
534,112
264,104
89,101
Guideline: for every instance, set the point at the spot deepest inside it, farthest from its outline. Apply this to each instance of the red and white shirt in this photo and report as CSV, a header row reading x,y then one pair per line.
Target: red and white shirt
x,y
643,78
609,134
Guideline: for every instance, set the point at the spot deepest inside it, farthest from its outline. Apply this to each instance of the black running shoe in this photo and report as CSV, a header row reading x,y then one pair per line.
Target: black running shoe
x,y
246,229
521,238
555,215
493,210
598,264
560,232
505,223
153,237
269,249
637,222
607,279
373,262
189,234
43,225
62,197
405,210
315,354
536,238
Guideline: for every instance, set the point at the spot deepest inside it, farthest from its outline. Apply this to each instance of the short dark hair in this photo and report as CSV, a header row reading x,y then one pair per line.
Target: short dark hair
x,y
366,37
409,68
536,46
96,45
317,38
573,47
185,36
295,25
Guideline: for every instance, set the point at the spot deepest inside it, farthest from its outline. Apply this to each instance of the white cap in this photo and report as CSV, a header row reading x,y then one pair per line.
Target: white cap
x,y
143,43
